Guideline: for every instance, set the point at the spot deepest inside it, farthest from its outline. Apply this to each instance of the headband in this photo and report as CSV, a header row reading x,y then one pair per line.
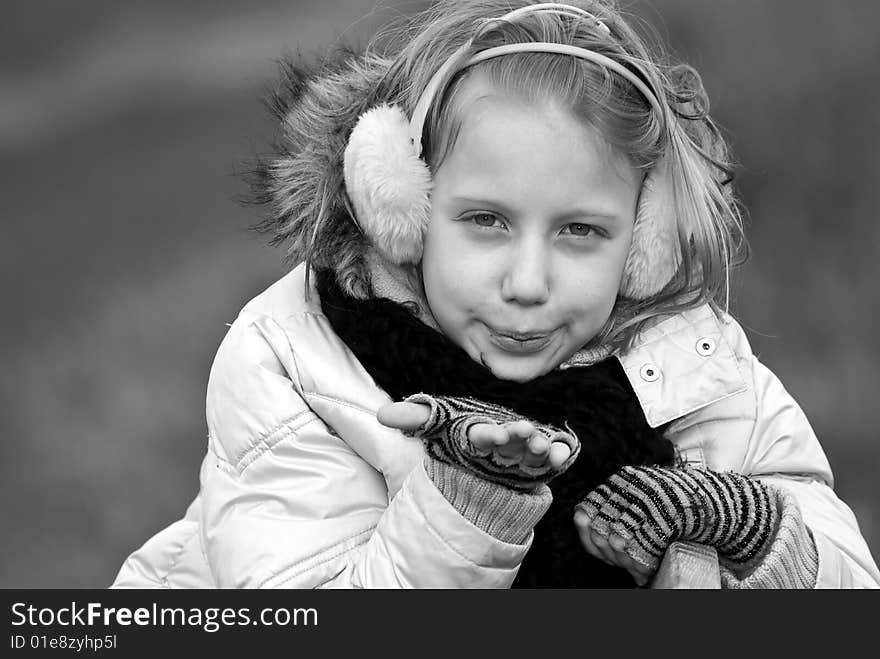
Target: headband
x,y
454,63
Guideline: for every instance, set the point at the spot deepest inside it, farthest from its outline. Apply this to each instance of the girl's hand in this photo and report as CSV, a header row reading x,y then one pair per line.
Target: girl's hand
x,y
516,442
631,519
488,440
610,548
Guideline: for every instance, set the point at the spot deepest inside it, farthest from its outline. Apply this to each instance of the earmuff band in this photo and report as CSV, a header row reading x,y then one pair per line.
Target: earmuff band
x,y
557,8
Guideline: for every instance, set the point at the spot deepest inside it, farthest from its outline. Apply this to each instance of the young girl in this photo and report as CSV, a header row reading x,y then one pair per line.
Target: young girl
x,y
517,219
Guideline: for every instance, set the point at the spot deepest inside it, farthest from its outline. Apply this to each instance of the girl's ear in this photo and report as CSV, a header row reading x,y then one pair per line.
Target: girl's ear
x,y
388,183
654,255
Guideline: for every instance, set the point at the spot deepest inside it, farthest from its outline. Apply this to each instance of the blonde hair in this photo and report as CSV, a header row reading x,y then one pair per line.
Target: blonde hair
x,y
709,222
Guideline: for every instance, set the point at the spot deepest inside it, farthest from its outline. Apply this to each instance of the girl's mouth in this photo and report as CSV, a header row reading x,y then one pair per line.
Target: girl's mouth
x,y
520,342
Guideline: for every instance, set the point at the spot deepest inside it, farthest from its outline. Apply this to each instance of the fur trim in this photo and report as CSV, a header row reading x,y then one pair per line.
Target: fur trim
x,y
300,181
388,183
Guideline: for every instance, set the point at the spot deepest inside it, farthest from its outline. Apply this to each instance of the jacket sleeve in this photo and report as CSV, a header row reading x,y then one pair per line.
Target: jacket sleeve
x,y
288,503
783,450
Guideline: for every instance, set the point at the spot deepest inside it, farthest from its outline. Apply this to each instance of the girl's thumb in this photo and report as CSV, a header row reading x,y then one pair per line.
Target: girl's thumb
x,y
403,416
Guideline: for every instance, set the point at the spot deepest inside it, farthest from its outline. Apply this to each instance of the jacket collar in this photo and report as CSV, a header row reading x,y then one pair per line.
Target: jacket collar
x,y
682,364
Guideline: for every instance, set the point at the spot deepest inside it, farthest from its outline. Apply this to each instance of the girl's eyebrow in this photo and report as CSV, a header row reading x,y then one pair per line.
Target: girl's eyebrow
x,y
574,214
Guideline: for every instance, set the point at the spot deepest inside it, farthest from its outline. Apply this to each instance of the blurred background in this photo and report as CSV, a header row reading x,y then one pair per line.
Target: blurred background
x,y
123,252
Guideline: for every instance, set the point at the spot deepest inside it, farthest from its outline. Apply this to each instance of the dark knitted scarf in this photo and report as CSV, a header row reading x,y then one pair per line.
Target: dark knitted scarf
x,y
404,356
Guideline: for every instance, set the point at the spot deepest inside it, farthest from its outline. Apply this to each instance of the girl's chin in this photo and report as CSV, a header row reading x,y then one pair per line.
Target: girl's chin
x,y
516,369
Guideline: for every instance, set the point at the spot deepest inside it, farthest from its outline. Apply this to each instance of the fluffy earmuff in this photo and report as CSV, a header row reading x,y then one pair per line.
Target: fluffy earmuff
x,y
654,253
388,184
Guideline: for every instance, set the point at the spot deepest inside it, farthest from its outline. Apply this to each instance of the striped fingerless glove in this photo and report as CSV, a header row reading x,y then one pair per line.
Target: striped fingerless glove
x,y
744,520
445,435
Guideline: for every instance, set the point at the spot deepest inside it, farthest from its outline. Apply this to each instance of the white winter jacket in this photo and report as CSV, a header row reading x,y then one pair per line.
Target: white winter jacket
x,y
302,487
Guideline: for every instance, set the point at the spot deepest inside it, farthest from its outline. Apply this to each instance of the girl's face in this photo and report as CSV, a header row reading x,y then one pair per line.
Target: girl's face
x,y
531,222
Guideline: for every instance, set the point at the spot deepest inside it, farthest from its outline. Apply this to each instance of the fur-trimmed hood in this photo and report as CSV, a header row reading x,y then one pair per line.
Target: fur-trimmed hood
x,y
300,181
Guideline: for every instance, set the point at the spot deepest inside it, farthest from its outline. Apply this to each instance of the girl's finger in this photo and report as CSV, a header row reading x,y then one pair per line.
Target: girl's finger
x,y
486,436
582,524
600,541
638,576
403,416
538,450
521,431
595,543
640,573
617,542
517,434
559,453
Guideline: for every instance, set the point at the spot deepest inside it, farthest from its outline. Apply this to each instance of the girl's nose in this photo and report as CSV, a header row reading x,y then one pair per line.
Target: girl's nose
x,y
527,280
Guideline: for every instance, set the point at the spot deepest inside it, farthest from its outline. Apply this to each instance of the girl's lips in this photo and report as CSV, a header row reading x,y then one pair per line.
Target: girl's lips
x,y
520,343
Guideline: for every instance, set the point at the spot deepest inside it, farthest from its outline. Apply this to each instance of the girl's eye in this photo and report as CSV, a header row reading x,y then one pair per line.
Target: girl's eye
x,y
487,220
579,229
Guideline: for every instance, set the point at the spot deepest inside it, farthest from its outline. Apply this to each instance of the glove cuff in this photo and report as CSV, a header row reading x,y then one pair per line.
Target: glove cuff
x,y
790,559
507,515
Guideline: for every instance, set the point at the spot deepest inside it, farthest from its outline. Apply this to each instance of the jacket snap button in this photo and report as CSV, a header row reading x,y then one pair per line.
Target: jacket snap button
x,y
706,346
649,373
